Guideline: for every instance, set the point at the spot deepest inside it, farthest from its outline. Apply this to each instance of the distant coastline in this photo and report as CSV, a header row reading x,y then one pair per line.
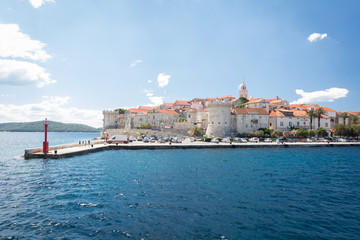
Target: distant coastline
x,y
37,126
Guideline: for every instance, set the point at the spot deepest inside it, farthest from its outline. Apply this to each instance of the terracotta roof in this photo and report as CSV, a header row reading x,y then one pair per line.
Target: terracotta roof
x,y
255,99
276,113
300,113
168,104
260,111
180,102
326,109
145,107
234,100
136,110
167,111
210,99
203,110
273,99
354,113
227,96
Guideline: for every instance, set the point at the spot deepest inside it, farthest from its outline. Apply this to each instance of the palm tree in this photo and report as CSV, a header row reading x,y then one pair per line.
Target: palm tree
x,y
354,119
318,112
311,114
344,116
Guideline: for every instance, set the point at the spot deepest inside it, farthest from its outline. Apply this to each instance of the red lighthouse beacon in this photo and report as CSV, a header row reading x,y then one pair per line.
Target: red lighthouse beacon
x,y
45,143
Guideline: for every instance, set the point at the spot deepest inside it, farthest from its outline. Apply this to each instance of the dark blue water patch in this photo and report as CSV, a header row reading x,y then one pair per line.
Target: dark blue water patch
x,y
310,193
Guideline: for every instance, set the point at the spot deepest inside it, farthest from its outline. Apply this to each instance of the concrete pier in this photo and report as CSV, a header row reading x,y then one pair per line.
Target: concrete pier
x,y
71,150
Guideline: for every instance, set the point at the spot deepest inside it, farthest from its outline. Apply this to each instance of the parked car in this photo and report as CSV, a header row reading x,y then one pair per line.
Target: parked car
x,y
309,140
152,139
268,140
254,139
215,140
226,140
139,138
242,140
162,140
146,140
178,140
321,140
279,140
198,139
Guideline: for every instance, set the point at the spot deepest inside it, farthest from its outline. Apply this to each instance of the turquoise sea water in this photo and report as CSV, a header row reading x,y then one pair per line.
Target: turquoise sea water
x,y
303,193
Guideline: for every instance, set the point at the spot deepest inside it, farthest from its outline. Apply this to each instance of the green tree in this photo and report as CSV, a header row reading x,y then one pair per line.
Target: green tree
x,y
267,132
259,133
242,101
311,113
321,132
318,112
302,133
340,130
354,119
120,110
181,119
356,130
276,133
196,132
311,133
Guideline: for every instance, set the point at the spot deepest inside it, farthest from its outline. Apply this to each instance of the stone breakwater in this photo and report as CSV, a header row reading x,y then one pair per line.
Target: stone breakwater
x,y
71,150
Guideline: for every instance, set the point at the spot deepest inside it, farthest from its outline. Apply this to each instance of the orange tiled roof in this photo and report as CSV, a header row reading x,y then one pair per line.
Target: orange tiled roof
x,y
136,110
326,109
181,102
255,99
168,104
276,113
300,113
145,107
354,113
227,96
273,99
260,111
210,99
167,111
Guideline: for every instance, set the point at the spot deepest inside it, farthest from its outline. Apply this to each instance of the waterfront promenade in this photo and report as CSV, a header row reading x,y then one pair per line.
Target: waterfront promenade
x,y
70,150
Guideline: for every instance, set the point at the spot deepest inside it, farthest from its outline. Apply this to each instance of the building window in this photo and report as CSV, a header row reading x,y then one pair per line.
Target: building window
x,y
326,125
298,124
281,124
225,122
219,122
290,124
270,124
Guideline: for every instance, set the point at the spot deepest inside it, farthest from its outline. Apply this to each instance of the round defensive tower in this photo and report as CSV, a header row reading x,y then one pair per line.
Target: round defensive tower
x,y
219,120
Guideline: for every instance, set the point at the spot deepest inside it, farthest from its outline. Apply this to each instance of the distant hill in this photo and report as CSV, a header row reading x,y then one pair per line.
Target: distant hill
x,y
39,127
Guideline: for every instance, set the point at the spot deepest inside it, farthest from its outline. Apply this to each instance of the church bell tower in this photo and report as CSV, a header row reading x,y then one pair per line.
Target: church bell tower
x,y
243,92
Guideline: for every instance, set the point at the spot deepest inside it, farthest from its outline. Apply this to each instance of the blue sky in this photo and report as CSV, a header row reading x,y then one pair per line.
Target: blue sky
x,y
69,60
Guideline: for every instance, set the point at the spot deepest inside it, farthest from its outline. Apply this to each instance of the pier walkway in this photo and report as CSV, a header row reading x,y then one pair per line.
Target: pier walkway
x,y
70,150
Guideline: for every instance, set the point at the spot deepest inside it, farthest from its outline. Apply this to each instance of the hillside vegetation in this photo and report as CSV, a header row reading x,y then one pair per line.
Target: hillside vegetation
x,y
39,127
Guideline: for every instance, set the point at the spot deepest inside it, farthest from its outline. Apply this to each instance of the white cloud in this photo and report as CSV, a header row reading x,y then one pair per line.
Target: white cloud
x,y
163,80
149,93
136,62
15,44
38,3
52,108
316,36
149,81
156,101
327,95
13,72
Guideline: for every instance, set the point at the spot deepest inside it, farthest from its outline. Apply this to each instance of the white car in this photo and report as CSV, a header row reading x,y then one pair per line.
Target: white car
x,y
226,140
268,140
242,140
215,140
254,139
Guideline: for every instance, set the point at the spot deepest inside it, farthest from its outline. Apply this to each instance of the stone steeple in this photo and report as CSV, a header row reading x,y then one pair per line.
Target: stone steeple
x,y
243,92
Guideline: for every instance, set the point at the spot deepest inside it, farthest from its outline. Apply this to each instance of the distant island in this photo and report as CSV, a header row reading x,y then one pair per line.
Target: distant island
x,y
39,127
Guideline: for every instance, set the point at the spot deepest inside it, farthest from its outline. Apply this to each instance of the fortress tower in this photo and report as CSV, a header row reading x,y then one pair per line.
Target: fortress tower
x,y
243,92
219,120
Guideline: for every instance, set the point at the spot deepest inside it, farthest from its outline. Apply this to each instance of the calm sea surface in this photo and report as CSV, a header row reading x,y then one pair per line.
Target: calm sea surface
x,y
305,193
